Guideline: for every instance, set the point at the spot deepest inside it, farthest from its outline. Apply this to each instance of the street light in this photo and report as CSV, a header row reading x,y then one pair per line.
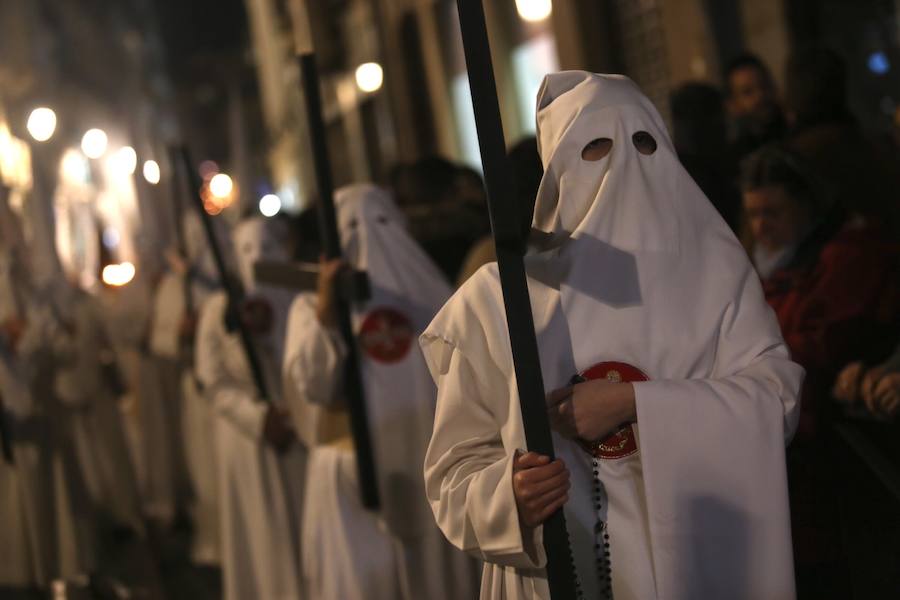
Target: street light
x,y
534,10
118,275
93,144
127,159
123,161
221,185
151,172
75,166
369,77
269,205
41,124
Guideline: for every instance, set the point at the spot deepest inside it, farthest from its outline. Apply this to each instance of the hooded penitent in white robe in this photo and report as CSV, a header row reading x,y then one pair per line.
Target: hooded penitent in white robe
x,y
45,511
259,489
197,416
639,269
175,420
98,429
402,555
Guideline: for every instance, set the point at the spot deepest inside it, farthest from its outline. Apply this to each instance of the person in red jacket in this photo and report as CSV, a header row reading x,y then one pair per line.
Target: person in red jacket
x,y
831,278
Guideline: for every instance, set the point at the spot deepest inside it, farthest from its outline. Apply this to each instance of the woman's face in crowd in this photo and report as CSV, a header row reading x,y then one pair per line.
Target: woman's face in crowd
x,y
776,219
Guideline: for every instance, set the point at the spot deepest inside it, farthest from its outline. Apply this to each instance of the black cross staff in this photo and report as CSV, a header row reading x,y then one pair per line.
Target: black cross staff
x,y
506,224
232,289
353,387
180,241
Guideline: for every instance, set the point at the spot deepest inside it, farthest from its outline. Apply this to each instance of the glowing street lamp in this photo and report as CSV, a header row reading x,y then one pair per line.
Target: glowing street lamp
x,y
75,166
41,124
151,172
128,159
124,160
269,205
221,185
534,10
93,144
117,275
369,77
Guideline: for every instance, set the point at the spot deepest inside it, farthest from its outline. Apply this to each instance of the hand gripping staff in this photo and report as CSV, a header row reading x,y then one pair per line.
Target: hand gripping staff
x,y
353,386
508,238
231,286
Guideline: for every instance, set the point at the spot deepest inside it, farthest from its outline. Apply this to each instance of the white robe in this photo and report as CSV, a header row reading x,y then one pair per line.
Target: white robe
x,y
45,511
166,485
407,289
198,421
195,414
259,490
347,552
700,511
97,424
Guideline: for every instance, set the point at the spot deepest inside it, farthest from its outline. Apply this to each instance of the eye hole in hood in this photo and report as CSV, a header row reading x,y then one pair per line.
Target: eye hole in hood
x,y
644,142
597,149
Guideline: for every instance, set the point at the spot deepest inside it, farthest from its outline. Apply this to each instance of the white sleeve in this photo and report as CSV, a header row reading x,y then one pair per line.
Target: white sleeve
x,y
232,398
313,360
712,452
314,356
468,471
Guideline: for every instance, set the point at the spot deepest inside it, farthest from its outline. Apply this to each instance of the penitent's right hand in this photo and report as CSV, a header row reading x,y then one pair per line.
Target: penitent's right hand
x,y
327,300
540,487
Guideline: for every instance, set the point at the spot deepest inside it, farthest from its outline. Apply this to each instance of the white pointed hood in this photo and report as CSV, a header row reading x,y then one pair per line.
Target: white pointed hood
x,y
407,291
257,239
627,199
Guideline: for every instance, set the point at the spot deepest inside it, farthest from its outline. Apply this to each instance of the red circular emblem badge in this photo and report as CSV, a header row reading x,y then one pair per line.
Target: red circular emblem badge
x,y
386,335
623,442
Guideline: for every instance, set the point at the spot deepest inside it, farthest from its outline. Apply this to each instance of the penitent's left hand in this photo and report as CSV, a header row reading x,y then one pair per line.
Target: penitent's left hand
x,y
591,410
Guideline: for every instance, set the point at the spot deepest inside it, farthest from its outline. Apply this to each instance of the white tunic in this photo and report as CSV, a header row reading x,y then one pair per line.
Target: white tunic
x,y
195,413
97,424
701,510
259,489
45,512
406,291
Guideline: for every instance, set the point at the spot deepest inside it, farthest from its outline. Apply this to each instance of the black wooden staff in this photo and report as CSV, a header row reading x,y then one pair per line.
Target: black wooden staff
x,y
5,436
232,288
506,224
180,241
331,246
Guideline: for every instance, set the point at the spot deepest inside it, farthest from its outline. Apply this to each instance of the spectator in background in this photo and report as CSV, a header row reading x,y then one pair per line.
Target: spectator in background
x,y
751,99
445,205
830,278
525,163
825,133
700,137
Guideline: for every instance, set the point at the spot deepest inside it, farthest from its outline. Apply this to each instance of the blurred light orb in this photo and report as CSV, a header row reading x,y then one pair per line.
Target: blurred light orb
x,y
878,63
41,124
118,275
270,205
221,185
151,172
93,144
126,160
369,77
111,237
534,10
75,167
